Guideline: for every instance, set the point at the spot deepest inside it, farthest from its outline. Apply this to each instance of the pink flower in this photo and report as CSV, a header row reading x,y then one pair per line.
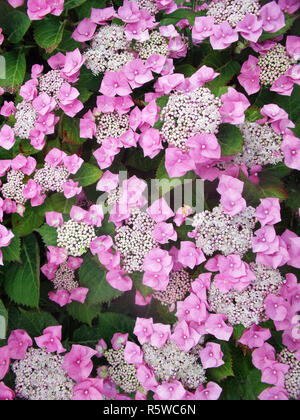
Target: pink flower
x,y
150,142
67,94
250,28
70,188
118,280
7,137
87,126
276,307
157,281
265,240
101,346
293,246
38,9
108,182
115,83
61,297
166,84
5,236
140,300
169,391
54,219
234,106
177,48
232,202
291,149
272,17
51,340
164,232
74,262
268,212
119,340
73,62
43,103
249,77
137,73
55,157
72,163
146,378
99,16
178,162
101,244
185,336
274,374
79,294
204,147
275,394
274,112
263,356
6,393
57,255
150,113
18,343
255,336
4,361
223,36
143,329
203,28
161,333
284,85
158,261
160,210
189,255
84,31
49,270
16,3
89,389
211,356
133,353
212,392
129,12
31,190
8,108
77,363
215,325
155,62
289,6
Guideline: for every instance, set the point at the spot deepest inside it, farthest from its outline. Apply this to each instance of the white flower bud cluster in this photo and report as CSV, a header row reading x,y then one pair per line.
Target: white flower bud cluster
x,y
218,231
134,240
26,117
75,237
169,362
51,83
65,278
121,373
109,50
111,124
51,178
292,377
273,64
261,145
178,286
39,376
187,114
247,307
232,11
14,186
156,44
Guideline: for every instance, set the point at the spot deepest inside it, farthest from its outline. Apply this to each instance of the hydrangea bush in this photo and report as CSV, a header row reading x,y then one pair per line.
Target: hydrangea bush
x,y
110,288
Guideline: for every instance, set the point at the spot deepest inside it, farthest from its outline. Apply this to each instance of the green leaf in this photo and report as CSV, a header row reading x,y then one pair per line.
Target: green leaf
x,y
22,281
3,320
32,322
291,104
186,69
58,202
15,67
12,252
86,336
87,174
137,278
230,139
253,385
48,32
218,90
92,276
110,323
71,4
167,184
30,221
48,234
238,330
16,25
227,72
222,372
83,312
71,130
67,43
289,20
162,101
88,81
253,114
